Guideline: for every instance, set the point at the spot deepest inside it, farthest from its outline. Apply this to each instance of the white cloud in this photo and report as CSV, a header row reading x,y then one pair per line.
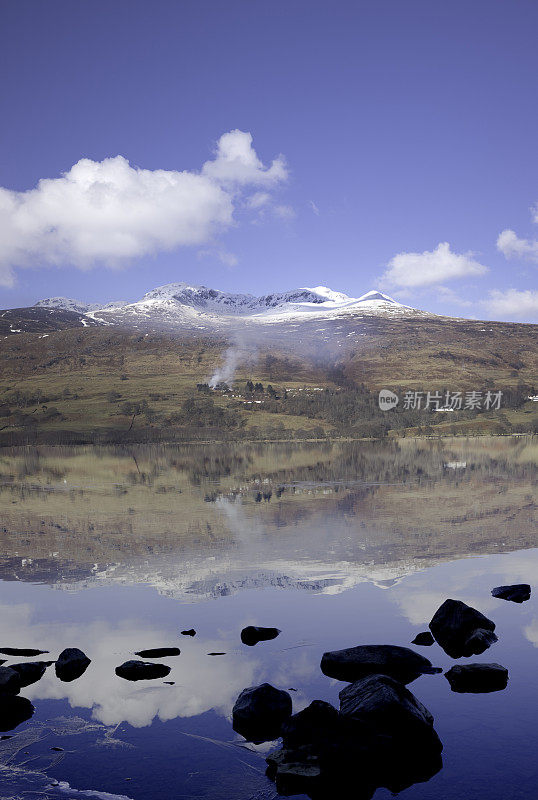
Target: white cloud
x,y
314,208
109,212
258,199
224,256
264,206
236,162
284,212
513,303
509,243
229,259
449,295
431,267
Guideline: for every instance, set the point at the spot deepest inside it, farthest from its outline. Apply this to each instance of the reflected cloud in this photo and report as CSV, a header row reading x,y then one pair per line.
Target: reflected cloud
x,y
531,632
471,582
201,683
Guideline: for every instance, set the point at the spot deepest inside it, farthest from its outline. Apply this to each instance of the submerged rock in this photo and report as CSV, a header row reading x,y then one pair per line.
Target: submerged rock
x,y
159,652
71,664
294,772
10,681
462,630
253,634
259,712
190,632
141,671
21,651
517,592
477,678
425,639
354,663
30,671
14,711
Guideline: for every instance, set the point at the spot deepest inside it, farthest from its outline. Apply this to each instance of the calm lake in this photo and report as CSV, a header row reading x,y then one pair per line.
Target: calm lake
x,y
113,550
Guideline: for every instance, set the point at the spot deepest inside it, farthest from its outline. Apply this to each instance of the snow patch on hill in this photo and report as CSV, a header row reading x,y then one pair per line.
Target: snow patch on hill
x,y
68,304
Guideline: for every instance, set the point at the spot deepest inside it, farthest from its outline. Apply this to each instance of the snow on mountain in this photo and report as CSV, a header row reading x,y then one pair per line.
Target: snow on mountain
x,y
67,304
377,297
223,302
179,305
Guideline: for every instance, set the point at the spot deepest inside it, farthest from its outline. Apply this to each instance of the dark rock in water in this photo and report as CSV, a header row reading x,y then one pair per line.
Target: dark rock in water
x,y
425,639
517,592
259,712
21,651
354,663
480,641
216,654
407,749
477,678
384,704
159,652
317,722
382,737
30,671
462,630
14,711
190,632
253,634
10,681
71,664
141,671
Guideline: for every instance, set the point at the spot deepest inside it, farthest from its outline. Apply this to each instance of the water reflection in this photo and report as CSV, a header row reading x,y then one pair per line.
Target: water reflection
x,y
187,520
110,629
114,552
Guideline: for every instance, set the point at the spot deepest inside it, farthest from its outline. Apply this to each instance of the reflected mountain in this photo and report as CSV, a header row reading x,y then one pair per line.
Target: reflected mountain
x,y
208,521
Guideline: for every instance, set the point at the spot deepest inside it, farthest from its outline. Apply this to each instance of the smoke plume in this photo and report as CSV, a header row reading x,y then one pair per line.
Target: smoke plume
x,y
233,356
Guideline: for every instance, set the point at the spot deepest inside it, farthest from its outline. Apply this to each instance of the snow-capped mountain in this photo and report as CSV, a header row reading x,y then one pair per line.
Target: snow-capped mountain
x,y
179,305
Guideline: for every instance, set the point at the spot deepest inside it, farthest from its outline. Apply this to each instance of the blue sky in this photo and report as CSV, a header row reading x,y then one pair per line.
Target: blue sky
x,y
267,146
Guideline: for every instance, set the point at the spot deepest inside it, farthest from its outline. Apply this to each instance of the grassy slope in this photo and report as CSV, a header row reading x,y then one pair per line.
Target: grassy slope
x,y
464,353
75,370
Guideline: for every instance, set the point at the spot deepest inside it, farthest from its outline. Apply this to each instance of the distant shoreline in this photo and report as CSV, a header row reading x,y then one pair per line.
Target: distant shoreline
x,y
245,441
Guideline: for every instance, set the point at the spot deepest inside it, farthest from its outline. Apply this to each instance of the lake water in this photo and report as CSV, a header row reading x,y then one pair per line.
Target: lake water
x,y
112,550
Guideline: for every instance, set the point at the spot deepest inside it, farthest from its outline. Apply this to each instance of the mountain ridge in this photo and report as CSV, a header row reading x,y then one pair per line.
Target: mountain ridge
x,y
178,305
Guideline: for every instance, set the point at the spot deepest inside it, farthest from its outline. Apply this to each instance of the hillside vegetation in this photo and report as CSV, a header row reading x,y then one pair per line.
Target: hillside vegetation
x,y
108,384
